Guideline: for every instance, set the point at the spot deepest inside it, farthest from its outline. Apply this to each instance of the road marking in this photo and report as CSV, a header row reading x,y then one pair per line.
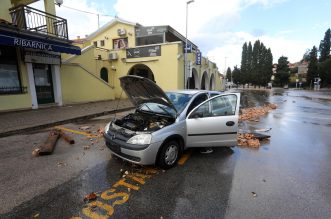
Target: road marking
x,y
77,132
105,206
185,157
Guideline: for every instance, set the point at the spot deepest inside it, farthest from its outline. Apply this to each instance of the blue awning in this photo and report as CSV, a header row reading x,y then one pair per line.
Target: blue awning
x,y
31,42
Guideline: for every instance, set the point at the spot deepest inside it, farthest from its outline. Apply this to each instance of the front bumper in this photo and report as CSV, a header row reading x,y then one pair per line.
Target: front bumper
x,y
139,154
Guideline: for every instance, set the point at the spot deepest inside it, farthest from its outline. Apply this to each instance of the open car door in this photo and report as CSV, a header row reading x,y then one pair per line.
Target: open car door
x,y
214,122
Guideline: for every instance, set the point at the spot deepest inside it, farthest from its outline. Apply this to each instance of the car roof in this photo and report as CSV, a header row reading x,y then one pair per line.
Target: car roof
x,y
190,91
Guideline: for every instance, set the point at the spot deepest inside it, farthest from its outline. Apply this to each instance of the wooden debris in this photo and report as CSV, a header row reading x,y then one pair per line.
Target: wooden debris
x,y
67,138
90,197
251,140
253,114
48,147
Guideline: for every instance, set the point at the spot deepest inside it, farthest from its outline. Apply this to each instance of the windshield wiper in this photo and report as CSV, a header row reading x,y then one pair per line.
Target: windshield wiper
x,y
145,104
166,111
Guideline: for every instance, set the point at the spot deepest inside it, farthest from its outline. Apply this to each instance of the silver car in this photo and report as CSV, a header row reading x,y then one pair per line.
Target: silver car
x,y
165,124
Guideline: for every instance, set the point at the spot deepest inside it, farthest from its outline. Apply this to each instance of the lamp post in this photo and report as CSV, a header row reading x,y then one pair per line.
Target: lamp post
x,y
185,50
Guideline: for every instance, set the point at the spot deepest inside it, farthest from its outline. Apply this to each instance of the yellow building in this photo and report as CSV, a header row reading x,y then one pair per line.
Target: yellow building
x,y
40,66
31,44
122,48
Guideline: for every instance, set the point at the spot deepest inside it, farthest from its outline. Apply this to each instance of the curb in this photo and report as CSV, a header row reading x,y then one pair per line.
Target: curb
x,y
61,122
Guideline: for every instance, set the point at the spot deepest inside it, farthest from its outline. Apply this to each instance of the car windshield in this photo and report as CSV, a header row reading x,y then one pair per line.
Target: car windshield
x,y
179,100
158,108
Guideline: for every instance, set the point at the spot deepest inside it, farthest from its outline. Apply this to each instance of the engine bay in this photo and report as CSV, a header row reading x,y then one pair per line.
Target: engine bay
x,y
143,122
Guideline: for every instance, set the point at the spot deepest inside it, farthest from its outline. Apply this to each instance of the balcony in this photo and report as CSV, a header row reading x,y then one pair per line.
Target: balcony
x,y
31,19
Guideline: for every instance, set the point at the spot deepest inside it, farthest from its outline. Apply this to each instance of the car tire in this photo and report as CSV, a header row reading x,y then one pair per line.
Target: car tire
x,y
169,155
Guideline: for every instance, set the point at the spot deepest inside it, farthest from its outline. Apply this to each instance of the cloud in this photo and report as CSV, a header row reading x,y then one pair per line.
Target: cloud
x,y
210,24
79,23
232,48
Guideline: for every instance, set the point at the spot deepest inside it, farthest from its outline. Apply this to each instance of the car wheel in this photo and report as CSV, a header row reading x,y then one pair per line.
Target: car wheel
x,y
169,155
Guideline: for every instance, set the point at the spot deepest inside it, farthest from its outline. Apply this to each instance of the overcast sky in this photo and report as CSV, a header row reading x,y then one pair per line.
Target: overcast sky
x,y
218,27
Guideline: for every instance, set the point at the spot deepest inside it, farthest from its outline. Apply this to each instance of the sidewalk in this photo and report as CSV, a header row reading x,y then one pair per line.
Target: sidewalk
x,y
18,122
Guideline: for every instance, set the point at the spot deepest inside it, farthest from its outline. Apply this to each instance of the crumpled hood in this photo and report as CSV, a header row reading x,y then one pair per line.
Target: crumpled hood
x,y
142,90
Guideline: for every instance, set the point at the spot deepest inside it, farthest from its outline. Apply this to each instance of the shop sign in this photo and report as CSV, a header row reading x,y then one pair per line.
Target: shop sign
x,y
148,51
148,31
42,57
188,48
29,42
198,58
32,44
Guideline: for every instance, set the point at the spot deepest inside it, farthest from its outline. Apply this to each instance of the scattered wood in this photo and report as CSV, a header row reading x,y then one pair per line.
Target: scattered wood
x,y
67,138
251,140
253,114
48,147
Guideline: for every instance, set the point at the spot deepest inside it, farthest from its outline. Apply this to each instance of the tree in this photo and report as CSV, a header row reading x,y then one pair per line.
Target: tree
x,y
237,75
244,63
324,70
256,64
283,72
312,66
228,74
324,47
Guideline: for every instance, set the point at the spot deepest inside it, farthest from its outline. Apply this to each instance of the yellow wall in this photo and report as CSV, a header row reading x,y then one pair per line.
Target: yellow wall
x,y
81,82
17,101
86,89
111,33
4,10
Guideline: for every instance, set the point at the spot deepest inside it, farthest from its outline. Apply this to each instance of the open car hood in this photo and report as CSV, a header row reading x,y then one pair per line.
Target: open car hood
x,y
142,90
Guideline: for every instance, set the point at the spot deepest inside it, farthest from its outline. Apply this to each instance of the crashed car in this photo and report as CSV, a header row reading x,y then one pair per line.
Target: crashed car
x,y
163,124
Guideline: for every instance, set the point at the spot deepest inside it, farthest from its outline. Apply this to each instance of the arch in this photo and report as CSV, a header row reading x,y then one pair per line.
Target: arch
x,y
193,82
204,81
212,82
104,74
142,70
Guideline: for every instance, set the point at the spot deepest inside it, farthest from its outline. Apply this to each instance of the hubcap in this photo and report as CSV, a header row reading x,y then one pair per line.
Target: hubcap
x,y
171,154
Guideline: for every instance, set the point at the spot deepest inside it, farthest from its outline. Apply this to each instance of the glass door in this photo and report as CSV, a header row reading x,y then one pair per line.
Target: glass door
x,y
43,82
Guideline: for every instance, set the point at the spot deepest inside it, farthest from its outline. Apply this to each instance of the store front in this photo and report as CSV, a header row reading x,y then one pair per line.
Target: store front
x,y
31,65
43,83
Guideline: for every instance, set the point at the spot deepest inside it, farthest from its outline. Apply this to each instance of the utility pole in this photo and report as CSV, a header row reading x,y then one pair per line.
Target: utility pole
x,y
185,50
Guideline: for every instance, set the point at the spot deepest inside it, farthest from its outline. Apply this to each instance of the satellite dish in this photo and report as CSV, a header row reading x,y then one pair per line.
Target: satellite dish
x,y
59,2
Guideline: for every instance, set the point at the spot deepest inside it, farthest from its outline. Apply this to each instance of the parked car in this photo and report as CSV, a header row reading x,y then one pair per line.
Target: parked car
x,y
165,124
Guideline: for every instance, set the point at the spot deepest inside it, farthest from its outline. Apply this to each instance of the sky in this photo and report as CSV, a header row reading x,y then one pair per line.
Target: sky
x,y
218,27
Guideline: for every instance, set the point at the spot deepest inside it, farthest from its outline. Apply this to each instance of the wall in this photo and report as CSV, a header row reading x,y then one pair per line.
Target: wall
x,y
4,10
111,33
80,86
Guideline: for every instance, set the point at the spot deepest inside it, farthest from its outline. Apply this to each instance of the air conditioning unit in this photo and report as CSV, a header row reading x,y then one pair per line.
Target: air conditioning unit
x,y
113,56
121,32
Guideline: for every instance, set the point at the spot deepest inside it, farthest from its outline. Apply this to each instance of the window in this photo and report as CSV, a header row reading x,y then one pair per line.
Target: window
x,y
199,99
120,43
102,43
104,74
9,75
218,106
95,43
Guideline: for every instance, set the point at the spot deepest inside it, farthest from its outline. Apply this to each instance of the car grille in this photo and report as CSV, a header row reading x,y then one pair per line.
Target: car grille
x,y
117,149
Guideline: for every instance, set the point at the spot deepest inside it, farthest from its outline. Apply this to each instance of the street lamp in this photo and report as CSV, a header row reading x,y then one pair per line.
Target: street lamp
x,y
185,50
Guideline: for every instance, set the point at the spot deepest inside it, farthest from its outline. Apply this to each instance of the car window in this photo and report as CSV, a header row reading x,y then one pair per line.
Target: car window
x,y
179,100
199,99
218,106
214,94
157,108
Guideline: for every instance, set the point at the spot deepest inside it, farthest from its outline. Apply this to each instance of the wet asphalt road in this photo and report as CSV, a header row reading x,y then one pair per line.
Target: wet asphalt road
x,y
290,174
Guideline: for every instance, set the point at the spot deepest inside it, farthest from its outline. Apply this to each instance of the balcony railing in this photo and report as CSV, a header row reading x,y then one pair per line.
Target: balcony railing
x,y
32,19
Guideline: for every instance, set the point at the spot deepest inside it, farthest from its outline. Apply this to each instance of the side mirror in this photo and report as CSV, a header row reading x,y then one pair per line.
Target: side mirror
x,y
196,115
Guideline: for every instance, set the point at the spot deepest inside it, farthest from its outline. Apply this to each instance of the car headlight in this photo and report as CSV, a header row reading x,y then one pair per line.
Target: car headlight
x,y
107,127
140,139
